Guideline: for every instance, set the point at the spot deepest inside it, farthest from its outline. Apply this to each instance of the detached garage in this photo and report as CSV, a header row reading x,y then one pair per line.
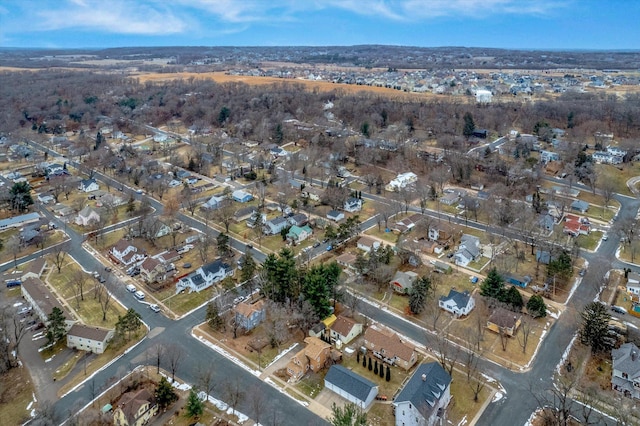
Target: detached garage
x,y
351,386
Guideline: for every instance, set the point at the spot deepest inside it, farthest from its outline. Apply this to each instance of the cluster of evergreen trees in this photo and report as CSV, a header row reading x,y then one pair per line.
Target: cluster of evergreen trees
x,y
377,369
494,287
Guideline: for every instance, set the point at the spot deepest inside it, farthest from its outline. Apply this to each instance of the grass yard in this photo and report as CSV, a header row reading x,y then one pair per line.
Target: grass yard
x,y
312,383
619,177
389,388
462,407
389,237
91,314
16,394
61,281
184,302
589,242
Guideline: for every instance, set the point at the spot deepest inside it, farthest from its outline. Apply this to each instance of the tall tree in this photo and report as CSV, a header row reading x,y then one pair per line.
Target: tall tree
x,y
56,328
165,395
223,244
418,294
536,306
469,125
493,285
213,317
248,267
595,328
194,406
348,415
20,196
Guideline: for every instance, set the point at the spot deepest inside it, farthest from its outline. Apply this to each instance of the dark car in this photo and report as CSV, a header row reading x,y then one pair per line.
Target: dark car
x,y
316,244
619,309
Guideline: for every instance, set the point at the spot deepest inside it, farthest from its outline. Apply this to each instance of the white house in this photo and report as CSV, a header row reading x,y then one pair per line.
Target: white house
x,y
367,244
126,253
351,386
335,215
483,96
298,234
87,216
205,276
352,205
90,339
274,226
424,398
633,283
626,370
468,250
345,330
401,181
457,303
214,202
88,185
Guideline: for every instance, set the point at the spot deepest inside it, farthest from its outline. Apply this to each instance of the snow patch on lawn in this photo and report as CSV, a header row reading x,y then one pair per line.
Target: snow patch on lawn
x,y
565,354
497,397
49,359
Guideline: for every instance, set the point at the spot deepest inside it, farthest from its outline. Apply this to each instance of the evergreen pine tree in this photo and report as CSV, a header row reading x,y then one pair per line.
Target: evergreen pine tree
x,y
375,368
370,366
388,378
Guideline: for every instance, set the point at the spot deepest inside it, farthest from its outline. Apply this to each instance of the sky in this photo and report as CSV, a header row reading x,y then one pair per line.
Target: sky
x,y
526,24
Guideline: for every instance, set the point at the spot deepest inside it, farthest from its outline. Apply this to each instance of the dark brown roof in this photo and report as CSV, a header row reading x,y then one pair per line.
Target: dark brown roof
x,y
131,402
121,245
343,325
504,318
91,333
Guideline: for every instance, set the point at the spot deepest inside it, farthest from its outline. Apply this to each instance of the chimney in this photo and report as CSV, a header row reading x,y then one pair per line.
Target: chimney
x,y
424,377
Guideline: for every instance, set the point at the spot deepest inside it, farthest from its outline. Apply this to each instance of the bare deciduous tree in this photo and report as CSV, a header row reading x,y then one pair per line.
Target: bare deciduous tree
x,y
174,354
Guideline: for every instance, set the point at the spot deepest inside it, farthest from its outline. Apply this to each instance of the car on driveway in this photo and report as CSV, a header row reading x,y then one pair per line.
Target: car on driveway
x,y
154,308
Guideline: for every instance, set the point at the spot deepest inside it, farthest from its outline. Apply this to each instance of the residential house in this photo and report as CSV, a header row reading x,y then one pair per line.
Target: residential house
x,y
468,250
504,321
575,225
352,205
459,304
347,260
215,202
312,193
425,397
152,270
625,377
389,347
345,330
90,339
205,276
42,300
299,219
407,223
335,215
314,356
241,196
135,408
449,199
440,232
88,185
517,280
351,386
402,181
633,283
367,244
580,206
244,213
87,217
274,226
402,282
126,253
248,316
298,234
45,198
547,156
19,221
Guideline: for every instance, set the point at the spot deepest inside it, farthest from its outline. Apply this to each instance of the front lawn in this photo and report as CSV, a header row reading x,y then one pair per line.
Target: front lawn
x,y
16,394
185,302
590,241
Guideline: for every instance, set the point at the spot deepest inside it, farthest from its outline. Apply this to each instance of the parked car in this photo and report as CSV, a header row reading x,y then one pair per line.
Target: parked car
x,y
154,308
139,295
238,300
619,309
329,247
131,288
187,265
316,244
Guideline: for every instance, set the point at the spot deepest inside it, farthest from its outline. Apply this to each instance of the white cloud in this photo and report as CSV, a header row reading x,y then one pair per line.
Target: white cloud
x,y
115,16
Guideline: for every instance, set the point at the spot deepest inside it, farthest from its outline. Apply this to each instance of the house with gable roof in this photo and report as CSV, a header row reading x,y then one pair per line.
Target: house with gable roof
x,y
87,216
352,205
248,316
274,226
345,329
468,250
126,253
135,408
351,386
457,303
90,339
88,185
402,282
152,270
366,244
314,356
205,276
389,347
633,283
424,398
625,376
504,321
298,234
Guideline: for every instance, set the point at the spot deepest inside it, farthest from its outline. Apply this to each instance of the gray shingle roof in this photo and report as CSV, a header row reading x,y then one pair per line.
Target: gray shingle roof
x,y
350,382
626,359
424,394
461,299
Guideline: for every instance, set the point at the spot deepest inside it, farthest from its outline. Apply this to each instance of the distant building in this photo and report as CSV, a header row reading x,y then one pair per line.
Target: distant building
x,y
483,96
402,181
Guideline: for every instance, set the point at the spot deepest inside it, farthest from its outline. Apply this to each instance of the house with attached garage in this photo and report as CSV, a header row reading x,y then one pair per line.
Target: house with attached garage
x,y
402,282
88,185
367,244
152,270
90,339
314,356
459,304
389,347
299,219
126,253
425,397
625,377
205,276
351,386
335,215
274,226
241,196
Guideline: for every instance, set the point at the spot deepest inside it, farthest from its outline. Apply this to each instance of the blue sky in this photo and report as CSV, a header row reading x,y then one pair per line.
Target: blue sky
x,y
537,24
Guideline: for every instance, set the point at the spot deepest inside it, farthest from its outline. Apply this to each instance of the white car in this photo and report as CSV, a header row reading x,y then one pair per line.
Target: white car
x,y
139,295
154,308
